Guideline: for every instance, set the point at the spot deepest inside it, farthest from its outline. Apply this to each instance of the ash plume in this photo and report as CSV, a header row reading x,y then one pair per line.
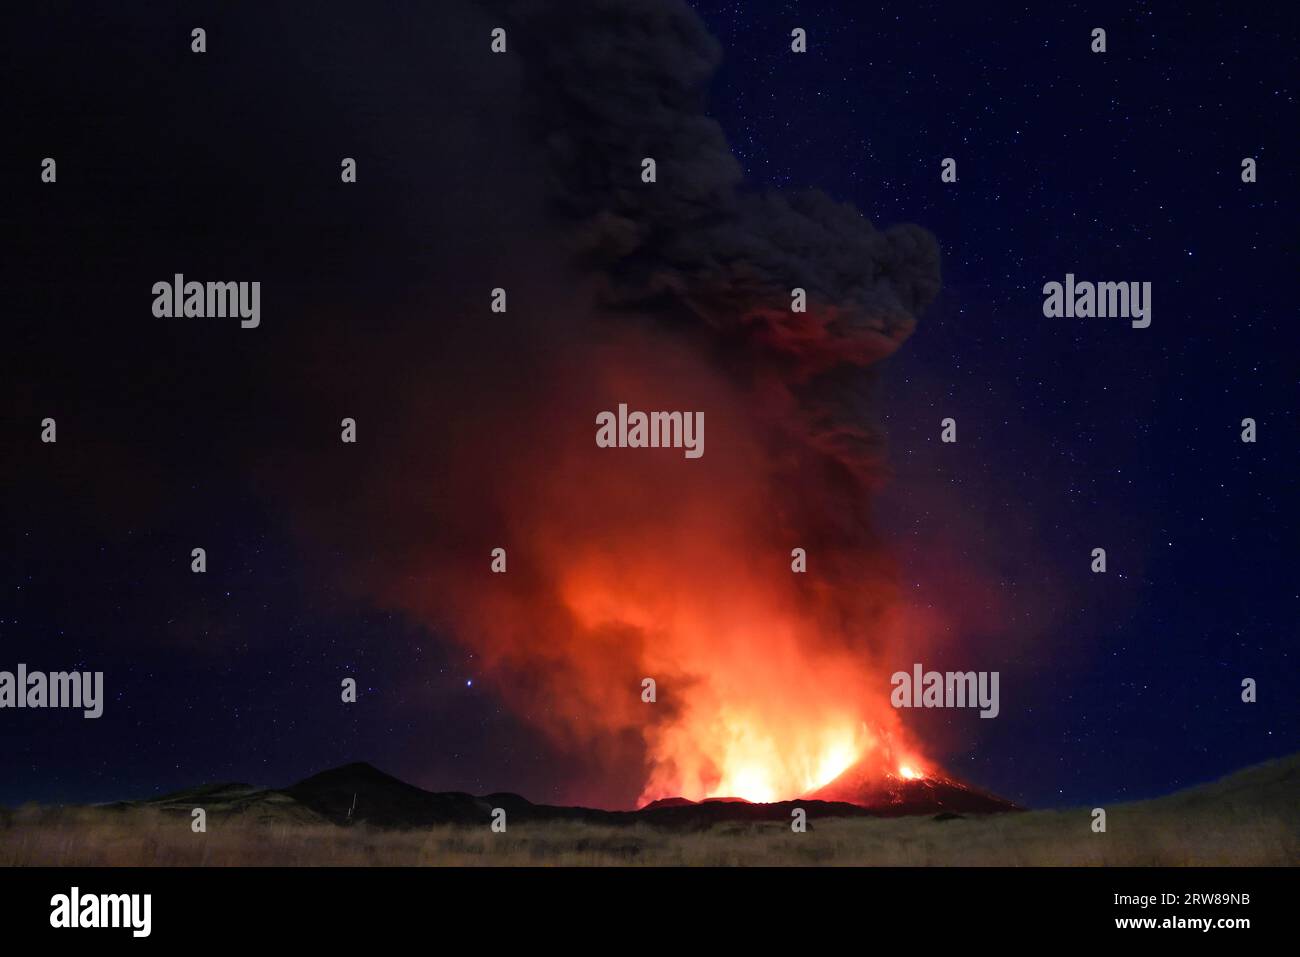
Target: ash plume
x,y
627,564
612,81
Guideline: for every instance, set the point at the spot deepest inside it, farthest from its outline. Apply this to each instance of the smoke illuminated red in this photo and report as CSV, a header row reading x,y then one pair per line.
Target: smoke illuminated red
x,y
626,564
769,711
765,312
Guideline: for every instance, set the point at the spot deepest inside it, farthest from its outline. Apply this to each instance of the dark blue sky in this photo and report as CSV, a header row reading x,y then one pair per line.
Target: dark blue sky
x,y
1073,433
1076,433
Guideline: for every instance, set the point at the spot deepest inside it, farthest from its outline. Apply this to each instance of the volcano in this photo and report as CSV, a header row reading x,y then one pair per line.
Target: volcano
x,y
907,792
357,793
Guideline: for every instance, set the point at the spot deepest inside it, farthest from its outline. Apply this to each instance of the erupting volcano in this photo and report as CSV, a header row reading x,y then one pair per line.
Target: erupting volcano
x,y
624,565
855,770
747,583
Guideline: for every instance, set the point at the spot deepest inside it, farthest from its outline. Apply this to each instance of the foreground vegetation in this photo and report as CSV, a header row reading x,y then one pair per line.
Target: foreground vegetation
x,y
1250,818
1136,835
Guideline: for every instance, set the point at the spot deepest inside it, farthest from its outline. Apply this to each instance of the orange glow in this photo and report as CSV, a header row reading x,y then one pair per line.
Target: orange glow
x,y
633,564
772,712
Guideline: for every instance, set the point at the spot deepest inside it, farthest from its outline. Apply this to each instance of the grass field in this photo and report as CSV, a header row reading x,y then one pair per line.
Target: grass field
x,y
1047,838
1251,818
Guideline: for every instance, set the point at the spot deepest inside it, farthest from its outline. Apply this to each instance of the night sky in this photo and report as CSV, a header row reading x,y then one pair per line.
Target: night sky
x,y
1073,433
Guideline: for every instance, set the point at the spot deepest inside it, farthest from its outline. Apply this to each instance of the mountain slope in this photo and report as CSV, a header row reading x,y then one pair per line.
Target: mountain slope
x,y
384,801
895,796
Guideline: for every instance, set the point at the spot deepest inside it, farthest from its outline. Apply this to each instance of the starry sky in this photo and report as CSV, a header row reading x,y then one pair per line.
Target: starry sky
x,y
1081,433
1073,433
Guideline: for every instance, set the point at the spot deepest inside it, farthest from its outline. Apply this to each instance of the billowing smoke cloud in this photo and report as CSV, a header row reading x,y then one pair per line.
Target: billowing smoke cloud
x,y
626,564
614,81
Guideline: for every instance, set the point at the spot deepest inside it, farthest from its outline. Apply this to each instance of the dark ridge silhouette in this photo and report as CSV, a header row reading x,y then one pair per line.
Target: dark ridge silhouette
x,y
382,800
362,794
370,795
668,802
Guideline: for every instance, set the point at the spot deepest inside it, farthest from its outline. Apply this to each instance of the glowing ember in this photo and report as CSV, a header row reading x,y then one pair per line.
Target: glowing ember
x,y
908,774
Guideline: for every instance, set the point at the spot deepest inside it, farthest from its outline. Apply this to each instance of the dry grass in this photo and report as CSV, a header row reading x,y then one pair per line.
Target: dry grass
x,y
1154,833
